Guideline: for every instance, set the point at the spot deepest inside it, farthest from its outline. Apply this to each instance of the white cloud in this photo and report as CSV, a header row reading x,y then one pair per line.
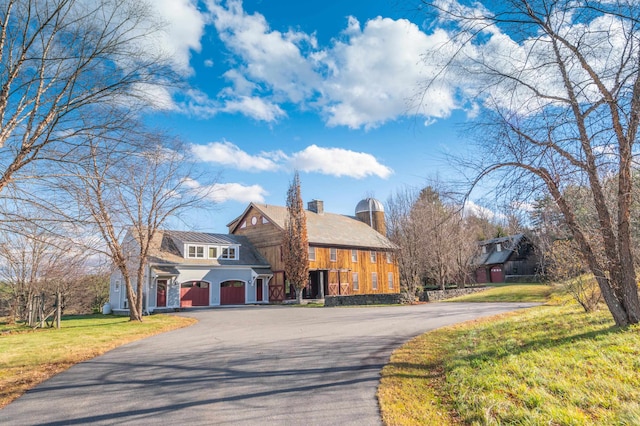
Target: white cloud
x,y
183,31
255,107
376,71
229,154
208,63
339,162
221,192
271,58
313,159
366,77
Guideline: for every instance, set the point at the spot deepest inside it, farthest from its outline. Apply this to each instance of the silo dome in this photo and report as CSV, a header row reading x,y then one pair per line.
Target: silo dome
x,y
371,212
369,204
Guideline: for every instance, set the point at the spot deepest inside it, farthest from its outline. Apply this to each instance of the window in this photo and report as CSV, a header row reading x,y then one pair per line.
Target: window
x,y
374,256
390,280
498,247
333,254
388,257
356,285
374,280
354,255
228,253
213,252
312,253
117,285
195,252
484,249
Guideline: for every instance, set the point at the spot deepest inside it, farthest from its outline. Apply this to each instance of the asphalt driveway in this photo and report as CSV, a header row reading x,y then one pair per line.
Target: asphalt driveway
x,y
250,365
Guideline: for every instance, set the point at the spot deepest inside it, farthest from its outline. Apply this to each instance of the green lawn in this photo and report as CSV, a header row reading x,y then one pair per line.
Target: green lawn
x,y
28,357
509,293
552,364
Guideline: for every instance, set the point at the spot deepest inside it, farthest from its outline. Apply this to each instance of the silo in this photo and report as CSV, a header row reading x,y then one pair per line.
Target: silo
x,y
371,212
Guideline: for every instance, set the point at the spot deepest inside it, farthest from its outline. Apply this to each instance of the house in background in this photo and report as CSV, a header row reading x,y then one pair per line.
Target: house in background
x,y
197,269
347,255
511,258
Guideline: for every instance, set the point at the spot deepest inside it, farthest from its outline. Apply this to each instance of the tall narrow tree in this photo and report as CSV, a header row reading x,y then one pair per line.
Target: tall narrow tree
x,y
295,242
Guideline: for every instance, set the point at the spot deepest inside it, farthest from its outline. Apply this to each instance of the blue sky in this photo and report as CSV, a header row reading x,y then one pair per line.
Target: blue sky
x,y
328,88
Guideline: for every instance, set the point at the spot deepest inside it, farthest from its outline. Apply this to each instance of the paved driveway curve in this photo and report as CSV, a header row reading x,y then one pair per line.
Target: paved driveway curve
x,y
249,365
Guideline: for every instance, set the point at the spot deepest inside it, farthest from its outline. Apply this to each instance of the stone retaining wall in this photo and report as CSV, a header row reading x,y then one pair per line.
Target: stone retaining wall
x,y
437,295
367,299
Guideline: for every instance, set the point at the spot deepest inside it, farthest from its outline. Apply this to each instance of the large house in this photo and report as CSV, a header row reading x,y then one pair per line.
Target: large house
x,y
197,269
347,255
506,259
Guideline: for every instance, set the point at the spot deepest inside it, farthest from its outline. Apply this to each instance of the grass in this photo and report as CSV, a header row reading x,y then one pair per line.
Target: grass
x,y
509,293
28,357
552,365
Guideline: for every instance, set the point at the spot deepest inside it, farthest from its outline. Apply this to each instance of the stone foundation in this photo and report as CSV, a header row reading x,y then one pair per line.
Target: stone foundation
x,y
437,295
367,299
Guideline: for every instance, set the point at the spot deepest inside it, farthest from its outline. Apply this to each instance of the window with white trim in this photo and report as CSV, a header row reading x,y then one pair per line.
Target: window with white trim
x,y
117,285
333,254
312,253
195,252
356,284
229,253
390,280
374,256
498,247
389,258
354,255
374,280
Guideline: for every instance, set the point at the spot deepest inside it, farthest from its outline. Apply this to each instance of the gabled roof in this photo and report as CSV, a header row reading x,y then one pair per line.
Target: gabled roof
x,y
324,229
493,257
166,248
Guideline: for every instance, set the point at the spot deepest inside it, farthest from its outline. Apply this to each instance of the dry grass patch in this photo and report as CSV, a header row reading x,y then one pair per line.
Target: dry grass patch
x,y
28,357
546,365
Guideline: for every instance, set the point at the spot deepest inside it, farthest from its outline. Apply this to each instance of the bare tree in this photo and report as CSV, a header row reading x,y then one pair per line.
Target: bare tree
x,y
125,196
295,242
403,232
435,243
35,263
559,88
71,68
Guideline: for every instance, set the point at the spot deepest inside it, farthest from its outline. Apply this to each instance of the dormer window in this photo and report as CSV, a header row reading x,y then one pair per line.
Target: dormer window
x,y
229,253
484,249
195,252
498,247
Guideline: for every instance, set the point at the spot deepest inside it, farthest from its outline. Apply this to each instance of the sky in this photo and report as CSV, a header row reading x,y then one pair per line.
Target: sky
x,y
333,89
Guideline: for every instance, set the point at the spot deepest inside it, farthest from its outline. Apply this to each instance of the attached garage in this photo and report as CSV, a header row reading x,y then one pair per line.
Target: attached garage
x,y
232,293
194,293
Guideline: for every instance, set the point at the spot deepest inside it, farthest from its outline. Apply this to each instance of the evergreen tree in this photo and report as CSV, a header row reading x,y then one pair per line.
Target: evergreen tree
x,y
295,242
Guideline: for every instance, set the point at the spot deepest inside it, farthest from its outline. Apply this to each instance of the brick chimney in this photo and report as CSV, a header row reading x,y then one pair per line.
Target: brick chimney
x,y
316,206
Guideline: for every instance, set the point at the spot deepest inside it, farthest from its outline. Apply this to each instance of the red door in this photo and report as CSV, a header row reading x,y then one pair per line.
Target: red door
x,y
259,290
194,293
496,274
232,293
161,294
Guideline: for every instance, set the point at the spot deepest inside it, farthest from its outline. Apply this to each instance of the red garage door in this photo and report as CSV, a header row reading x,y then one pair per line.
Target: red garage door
x,y
232,293
194,293
496,274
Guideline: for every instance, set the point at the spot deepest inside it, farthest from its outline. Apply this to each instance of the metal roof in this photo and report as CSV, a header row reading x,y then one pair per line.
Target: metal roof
x,y
166,248
369,204
493,256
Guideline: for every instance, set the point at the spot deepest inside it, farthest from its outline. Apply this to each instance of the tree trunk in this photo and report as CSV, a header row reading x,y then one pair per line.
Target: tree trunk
x,y
299,294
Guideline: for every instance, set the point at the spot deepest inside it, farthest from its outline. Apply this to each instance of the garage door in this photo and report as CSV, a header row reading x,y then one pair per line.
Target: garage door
x,y
232,293
194,293
496,274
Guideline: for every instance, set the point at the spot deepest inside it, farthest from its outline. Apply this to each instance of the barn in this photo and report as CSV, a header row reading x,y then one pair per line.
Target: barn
x,y
511,258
